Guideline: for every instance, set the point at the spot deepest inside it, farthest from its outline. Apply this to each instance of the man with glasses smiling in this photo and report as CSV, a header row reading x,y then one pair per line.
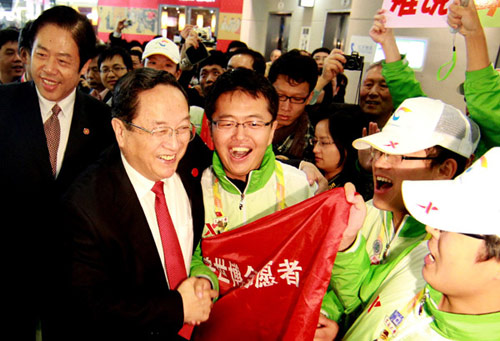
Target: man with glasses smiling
x,y
456,294
245,181
425,139
113,63
135,217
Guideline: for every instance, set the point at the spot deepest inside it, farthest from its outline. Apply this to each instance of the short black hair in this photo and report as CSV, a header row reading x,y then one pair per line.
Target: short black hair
x,y
259,62
215,57
25,40
247,81
112,51
321,49
296,67
236,44
441,154
131,85
135,53
77,24
7,35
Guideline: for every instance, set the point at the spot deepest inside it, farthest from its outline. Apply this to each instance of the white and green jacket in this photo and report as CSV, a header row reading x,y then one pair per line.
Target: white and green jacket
x,y
260,198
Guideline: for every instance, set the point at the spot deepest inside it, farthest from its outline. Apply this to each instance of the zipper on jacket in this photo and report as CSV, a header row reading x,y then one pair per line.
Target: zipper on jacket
x,y
242,199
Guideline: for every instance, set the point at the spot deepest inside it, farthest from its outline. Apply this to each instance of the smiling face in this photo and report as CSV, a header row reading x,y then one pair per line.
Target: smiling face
x,y
55,63
11,65
241,150
454,268
374,96
388,179
112,69
288,111
155,158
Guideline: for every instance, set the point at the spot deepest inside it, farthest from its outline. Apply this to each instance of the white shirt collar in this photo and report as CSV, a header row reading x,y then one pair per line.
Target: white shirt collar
x,y
66,104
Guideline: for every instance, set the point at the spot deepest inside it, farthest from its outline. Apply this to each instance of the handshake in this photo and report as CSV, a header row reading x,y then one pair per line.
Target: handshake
x,y
197,297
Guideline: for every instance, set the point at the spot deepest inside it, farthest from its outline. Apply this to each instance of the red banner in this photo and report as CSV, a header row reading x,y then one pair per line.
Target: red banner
x,y
274,272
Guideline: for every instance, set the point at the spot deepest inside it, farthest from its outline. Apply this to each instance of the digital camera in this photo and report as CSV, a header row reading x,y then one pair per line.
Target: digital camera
x,y
204,33
354,62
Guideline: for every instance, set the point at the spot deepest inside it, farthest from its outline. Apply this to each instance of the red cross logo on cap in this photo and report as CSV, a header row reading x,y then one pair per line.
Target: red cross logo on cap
x,y
392,144
429,207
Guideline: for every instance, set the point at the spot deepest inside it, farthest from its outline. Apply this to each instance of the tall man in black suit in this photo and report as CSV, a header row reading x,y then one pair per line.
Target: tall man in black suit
x,y
50,132
123,287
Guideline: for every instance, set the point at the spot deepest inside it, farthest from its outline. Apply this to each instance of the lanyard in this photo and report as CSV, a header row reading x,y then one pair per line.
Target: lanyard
x,y
453,62
280,194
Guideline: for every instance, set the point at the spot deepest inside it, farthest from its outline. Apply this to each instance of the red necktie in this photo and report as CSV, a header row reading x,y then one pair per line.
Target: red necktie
x,y
53,133
172,253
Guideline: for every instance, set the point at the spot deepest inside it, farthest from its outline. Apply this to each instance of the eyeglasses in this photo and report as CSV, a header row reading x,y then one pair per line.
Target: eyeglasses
x,y
228,124
116,69
396,159
182,133
476,236
294,100
322,143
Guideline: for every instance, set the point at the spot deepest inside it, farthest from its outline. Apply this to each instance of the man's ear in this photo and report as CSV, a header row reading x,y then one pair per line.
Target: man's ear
x,y
447,169
85,67
119,129
274,126
309,97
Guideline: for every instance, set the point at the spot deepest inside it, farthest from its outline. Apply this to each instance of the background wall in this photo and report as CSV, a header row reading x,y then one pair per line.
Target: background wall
x,y
439,51
254,28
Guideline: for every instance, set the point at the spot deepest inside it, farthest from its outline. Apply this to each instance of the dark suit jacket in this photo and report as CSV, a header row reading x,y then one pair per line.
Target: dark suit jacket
x,y
120,291
30,235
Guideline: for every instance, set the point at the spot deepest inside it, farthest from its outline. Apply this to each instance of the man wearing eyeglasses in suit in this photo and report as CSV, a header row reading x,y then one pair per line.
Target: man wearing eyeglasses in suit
x,y
130,262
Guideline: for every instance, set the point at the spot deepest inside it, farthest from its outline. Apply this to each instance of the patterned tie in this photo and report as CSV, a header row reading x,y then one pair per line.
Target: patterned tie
x,y
53,133
172,253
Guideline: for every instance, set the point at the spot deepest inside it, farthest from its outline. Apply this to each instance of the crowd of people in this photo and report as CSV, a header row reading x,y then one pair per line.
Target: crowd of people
x,y
119,158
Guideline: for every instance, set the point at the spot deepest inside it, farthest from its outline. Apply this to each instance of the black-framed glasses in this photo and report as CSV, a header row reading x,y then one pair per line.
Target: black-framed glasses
x,y
116,69
183,133
476,236
394,159
293,99
229,124
322,143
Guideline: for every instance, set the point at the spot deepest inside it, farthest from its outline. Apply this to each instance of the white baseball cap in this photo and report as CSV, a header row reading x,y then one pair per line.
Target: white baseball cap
x,y
420,123
467,204
163,46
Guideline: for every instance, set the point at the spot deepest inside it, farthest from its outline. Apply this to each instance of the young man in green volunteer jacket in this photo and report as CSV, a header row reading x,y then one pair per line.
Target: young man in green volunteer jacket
x,y
482,82
245,181
459,299
425,139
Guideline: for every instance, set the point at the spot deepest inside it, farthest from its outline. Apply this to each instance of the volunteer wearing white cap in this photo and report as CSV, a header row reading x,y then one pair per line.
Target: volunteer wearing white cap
x,y
162,54
455,296
425,139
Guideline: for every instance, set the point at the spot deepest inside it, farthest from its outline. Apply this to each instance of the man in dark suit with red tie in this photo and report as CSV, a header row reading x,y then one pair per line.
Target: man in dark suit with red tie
x,y
50,132
135,217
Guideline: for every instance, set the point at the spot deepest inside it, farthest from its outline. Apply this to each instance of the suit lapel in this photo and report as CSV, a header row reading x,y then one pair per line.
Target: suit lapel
x,y
31,127
131,217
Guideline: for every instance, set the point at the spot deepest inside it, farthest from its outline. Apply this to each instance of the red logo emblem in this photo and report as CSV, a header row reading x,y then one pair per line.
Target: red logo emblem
x,y
392,144
429,207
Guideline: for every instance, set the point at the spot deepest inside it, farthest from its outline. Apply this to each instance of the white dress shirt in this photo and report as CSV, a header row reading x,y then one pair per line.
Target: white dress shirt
x,y
178,205
67,106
